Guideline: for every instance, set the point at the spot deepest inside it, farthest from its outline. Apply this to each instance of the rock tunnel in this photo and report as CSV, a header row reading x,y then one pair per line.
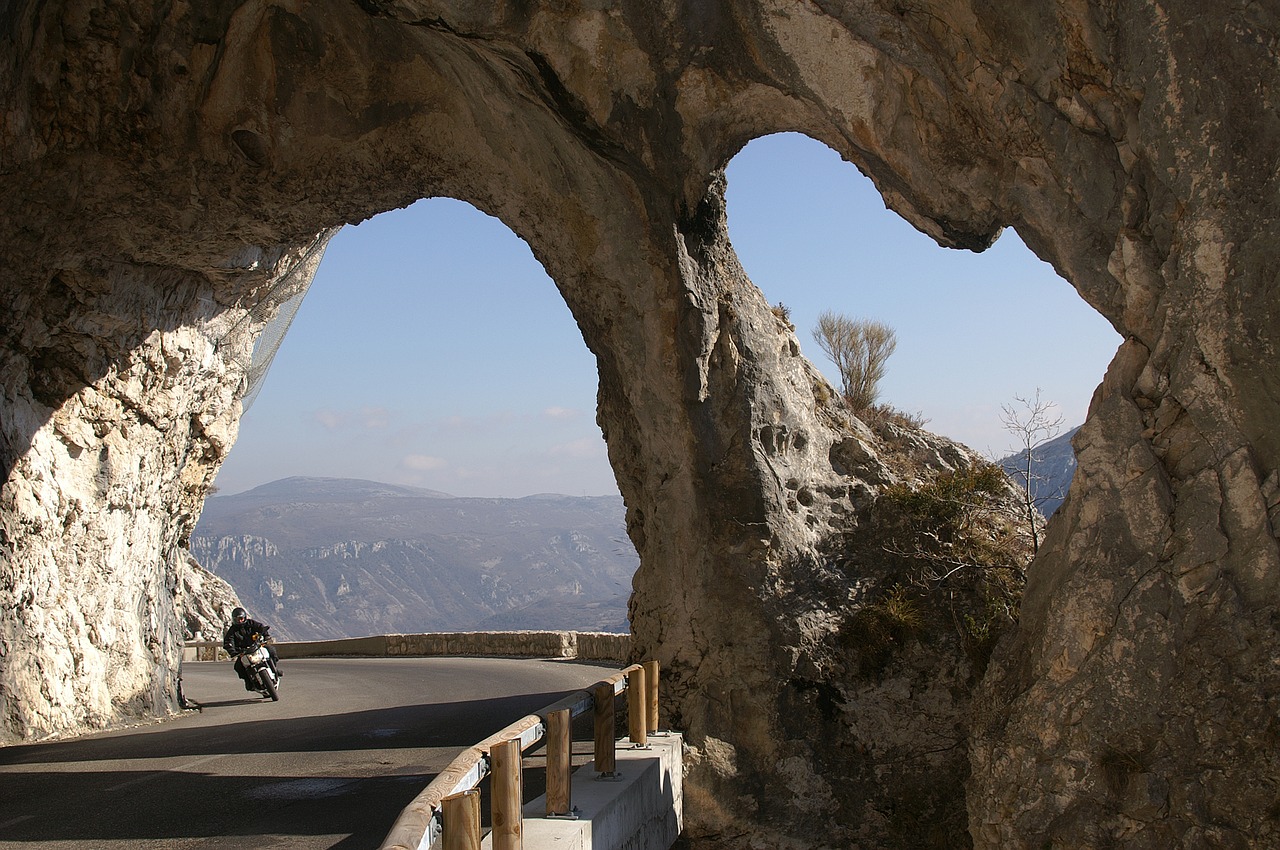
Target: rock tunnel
x,y
169,169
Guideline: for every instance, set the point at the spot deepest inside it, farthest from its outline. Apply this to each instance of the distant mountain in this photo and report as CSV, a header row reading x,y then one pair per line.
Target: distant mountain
x,y
330,557
1053,465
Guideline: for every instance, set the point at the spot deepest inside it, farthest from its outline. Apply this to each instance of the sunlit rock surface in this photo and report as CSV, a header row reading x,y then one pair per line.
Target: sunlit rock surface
x,y
166,166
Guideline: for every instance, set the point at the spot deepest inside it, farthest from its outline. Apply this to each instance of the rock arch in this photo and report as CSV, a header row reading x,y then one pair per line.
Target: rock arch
x,y
164,165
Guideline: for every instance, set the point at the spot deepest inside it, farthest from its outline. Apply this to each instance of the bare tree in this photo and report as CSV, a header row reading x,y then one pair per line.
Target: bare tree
x,y
1033,423
859,348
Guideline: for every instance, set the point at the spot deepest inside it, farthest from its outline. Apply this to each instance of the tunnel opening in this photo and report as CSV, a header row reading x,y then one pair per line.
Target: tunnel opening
x,y
974,330
433,356
432,348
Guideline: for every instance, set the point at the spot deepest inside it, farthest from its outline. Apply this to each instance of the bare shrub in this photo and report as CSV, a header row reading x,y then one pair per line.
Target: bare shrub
x,y
859,348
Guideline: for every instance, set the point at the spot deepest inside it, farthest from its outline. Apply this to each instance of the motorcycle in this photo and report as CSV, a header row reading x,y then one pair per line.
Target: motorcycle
x,y
259,670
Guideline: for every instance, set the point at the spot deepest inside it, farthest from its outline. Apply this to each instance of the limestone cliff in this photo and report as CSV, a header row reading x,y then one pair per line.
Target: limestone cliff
x,y
165,166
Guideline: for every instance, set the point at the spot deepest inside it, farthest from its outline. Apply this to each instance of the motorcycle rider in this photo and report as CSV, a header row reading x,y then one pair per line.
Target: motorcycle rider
x,y
239,637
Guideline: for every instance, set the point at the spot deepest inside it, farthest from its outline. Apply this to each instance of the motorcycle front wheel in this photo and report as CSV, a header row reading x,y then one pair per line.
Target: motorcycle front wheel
x,y
270,685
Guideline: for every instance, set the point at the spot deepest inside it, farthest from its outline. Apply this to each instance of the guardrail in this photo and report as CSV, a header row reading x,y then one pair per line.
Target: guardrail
x,y
447,811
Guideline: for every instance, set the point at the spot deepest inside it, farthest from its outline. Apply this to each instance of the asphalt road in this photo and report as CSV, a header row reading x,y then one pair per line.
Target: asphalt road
x,y
330,765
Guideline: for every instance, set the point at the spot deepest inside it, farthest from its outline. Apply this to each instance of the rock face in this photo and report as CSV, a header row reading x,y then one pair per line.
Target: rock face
x,y
167,170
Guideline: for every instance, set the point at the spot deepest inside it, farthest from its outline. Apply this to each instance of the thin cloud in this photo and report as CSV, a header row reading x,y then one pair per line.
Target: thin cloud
x,y
375,418
587,447
367,418
331,420
477,424
423,463
561,413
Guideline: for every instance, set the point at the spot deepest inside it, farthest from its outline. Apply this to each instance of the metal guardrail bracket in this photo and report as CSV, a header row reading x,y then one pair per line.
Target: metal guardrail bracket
x,y
609,777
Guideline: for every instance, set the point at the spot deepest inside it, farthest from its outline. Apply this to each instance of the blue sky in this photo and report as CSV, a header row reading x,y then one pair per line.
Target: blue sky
x,y
433,349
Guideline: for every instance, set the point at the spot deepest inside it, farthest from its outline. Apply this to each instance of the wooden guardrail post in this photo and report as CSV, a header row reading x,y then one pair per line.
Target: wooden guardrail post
x,y
559,779
637,708
651,681
461,821
606,758
508,795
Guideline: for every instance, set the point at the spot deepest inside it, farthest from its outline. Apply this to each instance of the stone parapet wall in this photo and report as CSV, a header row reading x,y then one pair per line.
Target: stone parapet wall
x,y
603,646
374,646
593,646
520,644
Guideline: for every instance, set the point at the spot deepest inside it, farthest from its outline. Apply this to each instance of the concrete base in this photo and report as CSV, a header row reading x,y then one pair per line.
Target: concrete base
x,y
643,809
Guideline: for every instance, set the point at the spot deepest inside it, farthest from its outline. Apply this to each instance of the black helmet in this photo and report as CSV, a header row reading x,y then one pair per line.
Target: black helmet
x,y
238,614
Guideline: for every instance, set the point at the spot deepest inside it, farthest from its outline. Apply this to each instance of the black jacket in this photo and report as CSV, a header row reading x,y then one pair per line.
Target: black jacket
x,y
240,635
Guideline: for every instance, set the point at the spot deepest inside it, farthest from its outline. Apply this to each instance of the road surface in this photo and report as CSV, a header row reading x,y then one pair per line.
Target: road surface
x,y
330,765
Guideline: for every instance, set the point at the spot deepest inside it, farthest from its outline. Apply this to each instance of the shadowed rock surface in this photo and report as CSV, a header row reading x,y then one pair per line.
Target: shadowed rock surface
x,y
170,170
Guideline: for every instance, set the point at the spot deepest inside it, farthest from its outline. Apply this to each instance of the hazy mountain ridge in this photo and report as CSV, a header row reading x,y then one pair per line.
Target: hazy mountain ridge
x,y
1053,466
322,558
